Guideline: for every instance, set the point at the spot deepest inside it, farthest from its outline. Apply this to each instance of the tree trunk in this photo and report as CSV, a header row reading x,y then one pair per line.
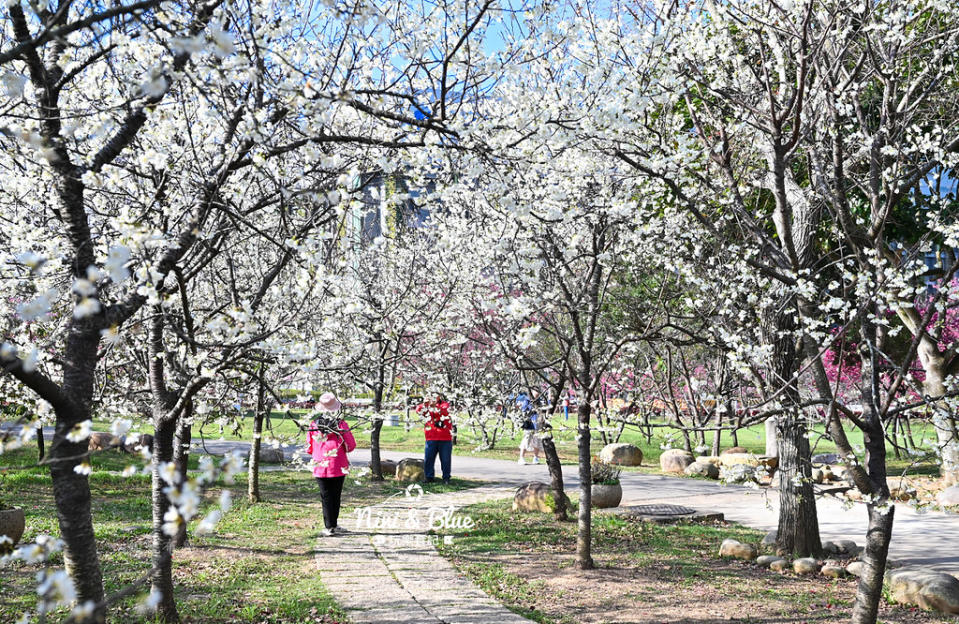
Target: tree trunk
x,y
561,501
41,450
181,457
798,532
71,491
869,590
584,558
253,479
717,434
376,469
164,431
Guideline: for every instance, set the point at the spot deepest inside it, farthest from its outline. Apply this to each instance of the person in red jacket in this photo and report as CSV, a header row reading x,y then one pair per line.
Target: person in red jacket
x,y
438,430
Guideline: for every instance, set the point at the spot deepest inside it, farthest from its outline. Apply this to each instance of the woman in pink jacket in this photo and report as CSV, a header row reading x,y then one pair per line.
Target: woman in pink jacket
x,y
328,441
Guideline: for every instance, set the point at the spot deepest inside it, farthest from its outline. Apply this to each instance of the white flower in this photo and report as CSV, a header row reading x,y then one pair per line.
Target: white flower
x,y
83,468
150,603
169,473
36,308
171,521
84,288
32,261
56,588
88,306
208,524
7,352
110,335
120,427
129,471
117,258
207,470
83,611
80,431
226,500
30,362
223,41
155,86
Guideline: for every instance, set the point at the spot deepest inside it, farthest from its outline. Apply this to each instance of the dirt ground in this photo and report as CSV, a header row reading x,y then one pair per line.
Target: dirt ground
x,y
619,592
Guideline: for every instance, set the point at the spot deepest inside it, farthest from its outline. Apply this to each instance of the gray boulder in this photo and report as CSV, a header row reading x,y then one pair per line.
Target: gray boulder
x,y
410,469
767,560
702,469
779,565
270,455
737,550
805,565
388,467
621,454
833,571
675,460
856,568
936,591
533,496
769,540
826,458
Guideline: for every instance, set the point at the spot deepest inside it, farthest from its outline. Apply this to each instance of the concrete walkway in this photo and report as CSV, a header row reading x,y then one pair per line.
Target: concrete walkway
x,y
393,574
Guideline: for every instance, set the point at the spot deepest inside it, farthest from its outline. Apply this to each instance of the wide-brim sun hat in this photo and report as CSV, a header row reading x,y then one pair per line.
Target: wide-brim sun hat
x,y
328,402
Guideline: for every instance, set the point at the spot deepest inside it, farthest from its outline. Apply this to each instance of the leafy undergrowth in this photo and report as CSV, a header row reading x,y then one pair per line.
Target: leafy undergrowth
x,y
644,572
258,567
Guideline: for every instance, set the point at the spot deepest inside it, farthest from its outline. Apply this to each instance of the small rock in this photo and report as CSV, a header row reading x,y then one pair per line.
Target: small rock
x,y
736,450
833,571
856,568
99,441
770,539
738,550
767,560
825,458
828,475
805,565
410,469
621,454
715,460
702,469
270,455
533,496
928,589
675,460
949,496
780,565
818,476
388,467
847,547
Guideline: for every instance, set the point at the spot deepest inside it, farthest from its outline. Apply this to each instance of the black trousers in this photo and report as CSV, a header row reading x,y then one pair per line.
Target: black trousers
x,y
331,489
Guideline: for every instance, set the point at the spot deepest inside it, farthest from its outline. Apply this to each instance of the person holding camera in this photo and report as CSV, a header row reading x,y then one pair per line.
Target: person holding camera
x,y
438,431
329,439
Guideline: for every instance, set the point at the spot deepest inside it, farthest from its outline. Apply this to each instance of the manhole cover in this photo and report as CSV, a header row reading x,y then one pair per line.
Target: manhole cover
x,y
661,510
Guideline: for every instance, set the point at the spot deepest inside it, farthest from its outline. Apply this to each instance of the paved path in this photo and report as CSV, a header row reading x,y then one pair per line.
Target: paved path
x,y
393,575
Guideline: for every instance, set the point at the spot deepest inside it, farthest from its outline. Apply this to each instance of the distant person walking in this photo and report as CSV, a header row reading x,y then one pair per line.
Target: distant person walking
x,y
529,425
329,439
438,431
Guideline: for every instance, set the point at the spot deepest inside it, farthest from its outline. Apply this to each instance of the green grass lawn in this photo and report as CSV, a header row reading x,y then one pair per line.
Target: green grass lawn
x,y
258,567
